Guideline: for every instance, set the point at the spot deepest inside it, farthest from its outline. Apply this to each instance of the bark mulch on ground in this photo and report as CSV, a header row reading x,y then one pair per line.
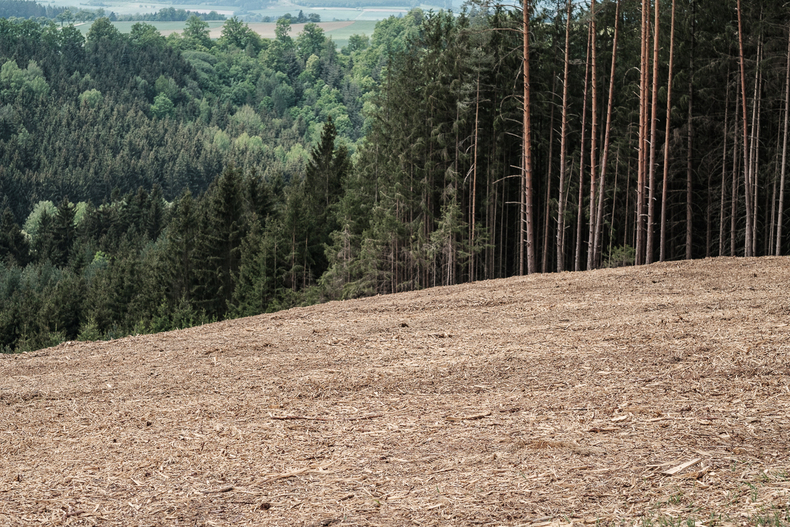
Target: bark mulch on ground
x,y
652,395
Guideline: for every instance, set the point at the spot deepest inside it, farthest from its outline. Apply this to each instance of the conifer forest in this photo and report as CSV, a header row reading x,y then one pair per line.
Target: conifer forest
x,y
150,183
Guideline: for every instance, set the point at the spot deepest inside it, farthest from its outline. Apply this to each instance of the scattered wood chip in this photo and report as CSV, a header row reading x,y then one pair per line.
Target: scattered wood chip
x,y
683,466
314,418
598,429
218,491
467,417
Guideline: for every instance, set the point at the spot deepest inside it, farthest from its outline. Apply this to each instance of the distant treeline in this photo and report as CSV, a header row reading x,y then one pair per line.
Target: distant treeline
x,y
27,9
245,4
301,18
358,4
169,14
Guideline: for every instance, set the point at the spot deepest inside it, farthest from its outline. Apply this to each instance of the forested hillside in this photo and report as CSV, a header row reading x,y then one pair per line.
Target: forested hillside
x,y
153,183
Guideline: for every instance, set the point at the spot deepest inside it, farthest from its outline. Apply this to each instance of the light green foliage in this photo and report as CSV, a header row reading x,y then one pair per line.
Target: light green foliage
x,y
312,65
80,210
395,31
238,34
166,86
146,35
246,142
221,140
204,63
163,107
34,219
282,30
310,41
296,158
16,82
90,98
248,119
102,29
357,43
196,33
621,256
89,331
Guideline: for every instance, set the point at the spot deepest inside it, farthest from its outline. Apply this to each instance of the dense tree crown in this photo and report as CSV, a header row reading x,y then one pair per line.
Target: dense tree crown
x,y
150,183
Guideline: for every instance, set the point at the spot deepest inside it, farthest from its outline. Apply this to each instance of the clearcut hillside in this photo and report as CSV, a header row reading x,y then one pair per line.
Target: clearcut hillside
x,y
615,396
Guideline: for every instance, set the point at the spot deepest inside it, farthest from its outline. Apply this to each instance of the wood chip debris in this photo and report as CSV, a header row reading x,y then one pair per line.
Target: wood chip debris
x,y
683,466
610,397
467,417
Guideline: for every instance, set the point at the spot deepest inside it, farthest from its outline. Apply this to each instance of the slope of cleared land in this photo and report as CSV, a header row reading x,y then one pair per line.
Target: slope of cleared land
x,y
659,392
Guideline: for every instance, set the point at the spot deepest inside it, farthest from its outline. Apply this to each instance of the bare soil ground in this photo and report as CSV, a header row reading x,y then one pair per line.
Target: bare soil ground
x,y
619,396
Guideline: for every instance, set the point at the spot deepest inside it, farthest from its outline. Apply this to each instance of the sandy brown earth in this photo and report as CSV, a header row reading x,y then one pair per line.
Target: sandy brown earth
x,y
617,396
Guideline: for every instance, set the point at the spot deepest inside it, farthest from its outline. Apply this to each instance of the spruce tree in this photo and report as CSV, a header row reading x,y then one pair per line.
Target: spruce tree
x,y
14,246
222,228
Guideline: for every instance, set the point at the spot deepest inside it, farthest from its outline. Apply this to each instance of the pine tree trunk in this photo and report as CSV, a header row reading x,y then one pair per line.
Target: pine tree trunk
x,y
640,187
754,172
663,242
547,216
593,142
605,159
563,148
745,131
529,212
522,222
614,202
579,211
653,124
474,189
780,211
627,230
724,166
735,178
690,151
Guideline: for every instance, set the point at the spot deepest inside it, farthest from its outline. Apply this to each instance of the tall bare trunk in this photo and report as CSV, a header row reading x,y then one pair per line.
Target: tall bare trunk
x,y
724,166
745,126
755,146
735,178
690,150
614,201
529,212
663,242
593,141
474,189
522,217
545,256
605,159
707,216
769,245
640,186
579,213
628,198
563,148
651,209
784,156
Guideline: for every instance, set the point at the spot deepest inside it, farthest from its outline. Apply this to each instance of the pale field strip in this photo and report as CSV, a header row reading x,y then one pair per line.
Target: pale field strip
x,y
266,30
609,396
